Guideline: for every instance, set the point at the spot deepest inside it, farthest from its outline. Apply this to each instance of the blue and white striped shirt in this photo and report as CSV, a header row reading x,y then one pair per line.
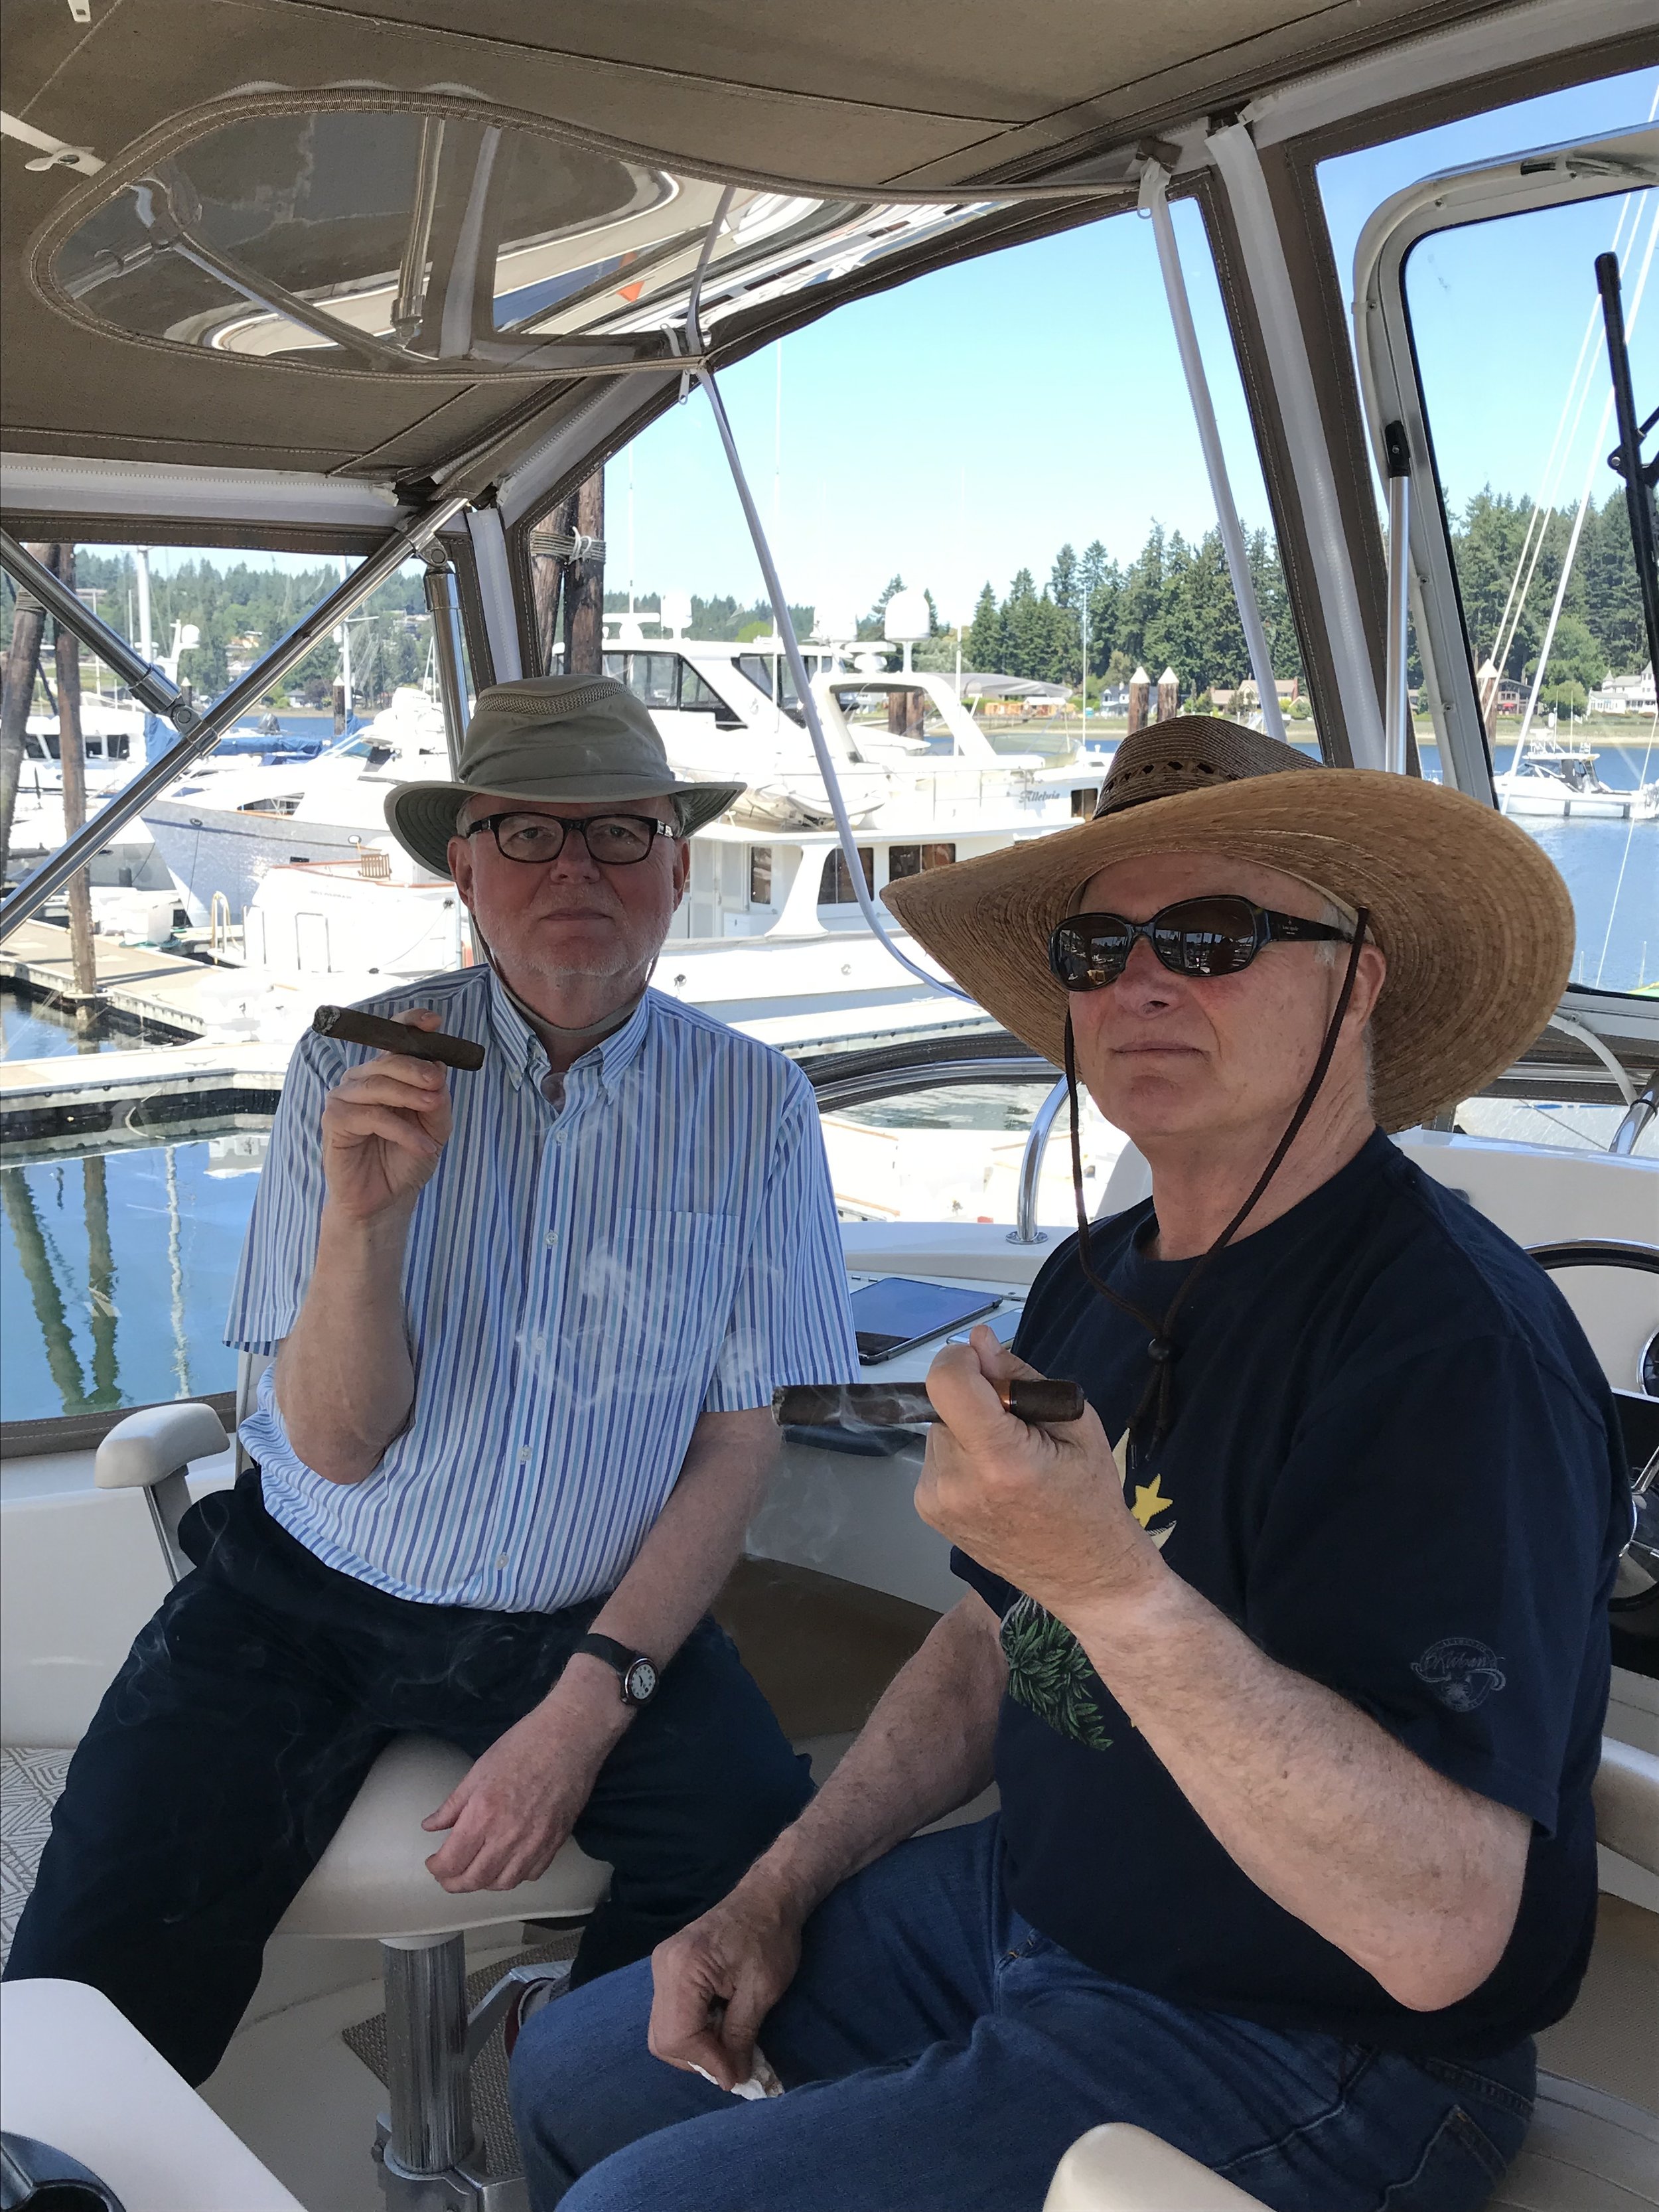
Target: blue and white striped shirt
x,y
580,1282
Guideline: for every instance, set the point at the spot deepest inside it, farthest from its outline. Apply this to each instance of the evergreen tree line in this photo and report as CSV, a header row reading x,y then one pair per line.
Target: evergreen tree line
x,y
1601,631
1173,605
720,618
236,604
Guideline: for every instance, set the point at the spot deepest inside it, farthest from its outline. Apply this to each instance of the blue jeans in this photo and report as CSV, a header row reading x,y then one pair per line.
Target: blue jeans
x,y
229,1747
939,2054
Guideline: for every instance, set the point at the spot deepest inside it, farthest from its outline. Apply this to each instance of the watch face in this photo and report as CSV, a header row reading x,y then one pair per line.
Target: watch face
x,y
640,1682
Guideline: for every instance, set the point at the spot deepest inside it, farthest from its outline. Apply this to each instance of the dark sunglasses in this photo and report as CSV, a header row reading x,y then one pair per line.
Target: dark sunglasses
x,y
1194,936
617,841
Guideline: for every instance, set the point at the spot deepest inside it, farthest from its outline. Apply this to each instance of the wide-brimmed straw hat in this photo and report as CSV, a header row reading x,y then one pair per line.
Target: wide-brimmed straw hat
x,y
573,738
1476,924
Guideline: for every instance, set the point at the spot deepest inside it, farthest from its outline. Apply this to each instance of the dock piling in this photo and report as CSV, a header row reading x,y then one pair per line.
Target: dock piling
x,y
71,754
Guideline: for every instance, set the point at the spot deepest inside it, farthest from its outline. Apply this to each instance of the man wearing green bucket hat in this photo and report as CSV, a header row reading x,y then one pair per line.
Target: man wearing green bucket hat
x,y
527,1322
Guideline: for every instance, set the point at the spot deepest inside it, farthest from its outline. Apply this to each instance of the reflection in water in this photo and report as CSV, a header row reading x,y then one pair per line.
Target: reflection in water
x,y
103,1306
176,1280
35,1029
30,1244
100,1285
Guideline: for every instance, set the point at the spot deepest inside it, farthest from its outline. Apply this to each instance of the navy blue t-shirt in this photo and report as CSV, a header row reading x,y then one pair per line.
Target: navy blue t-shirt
x,y
1396,1465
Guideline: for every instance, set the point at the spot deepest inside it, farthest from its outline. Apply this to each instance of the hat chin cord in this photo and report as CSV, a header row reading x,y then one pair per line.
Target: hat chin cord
x,y
1161,1348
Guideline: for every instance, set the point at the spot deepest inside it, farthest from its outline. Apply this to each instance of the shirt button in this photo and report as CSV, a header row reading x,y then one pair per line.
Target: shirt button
x,y
552,1237
524,1458
500,1562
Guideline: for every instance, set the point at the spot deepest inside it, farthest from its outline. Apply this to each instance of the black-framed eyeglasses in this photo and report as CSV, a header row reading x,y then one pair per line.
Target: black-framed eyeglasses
x,y
1194,936
615,841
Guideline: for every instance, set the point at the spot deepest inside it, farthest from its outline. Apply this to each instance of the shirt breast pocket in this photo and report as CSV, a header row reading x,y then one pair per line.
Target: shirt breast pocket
x,y
656,1297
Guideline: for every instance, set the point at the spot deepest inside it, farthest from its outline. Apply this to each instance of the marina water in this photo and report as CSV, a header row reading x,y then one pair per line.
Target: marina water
x,y
116,1267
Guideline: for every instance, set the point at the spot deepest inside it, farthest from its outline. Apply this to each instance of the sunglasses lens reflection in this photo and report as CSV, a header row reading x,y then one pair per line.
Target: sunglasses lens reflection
x,y
1197,937
1206,937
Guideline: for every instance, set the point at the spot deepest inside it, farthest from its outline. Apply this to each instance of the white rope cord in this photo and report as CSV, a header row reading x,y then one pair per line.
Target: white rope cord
x,y
1571,553
786,628
1583,369
1566,435
1154,202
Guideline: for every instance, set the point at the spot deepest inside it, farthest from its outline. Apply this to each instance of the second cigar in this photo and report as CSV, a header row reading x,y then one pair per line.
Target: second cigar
x,y
352,1027
907,1405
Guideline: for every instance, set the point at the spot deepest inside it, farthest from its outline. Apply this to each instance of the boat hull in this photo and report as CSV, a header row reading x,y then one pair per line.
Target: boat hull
x,y
209,849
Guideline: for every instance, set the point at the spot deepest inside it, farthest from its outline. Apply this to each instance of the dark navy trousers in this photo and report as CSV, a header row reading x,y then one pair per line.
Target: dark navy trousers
x,y
229,1748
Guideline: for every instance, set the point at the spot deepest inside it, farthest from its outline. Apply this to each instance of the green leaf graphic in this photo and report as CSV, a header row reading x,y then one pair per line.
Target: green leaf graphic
x,y
1049,1672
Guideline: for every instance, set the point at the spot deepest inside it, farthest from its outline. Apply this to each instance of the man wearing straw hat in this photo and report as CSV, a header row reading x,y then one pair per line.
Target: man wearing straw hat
x,y
1290,1658
527,1322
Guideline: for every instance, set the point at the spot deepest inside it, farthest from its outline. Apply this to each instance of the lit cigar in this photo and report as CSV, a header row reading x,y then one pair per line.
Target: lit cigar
x,y
351,1027
907,1405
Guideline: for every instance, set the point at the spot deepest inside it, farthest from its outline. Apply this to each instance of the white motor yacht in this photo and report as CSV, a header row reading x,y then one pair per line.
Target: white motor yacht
x,y
422,367
719,708
1555,779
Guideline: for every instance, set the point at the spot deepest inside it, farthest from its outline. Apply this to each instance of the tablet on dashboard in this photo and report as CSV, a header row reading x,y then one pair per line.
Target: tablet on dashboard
x,y
892,1314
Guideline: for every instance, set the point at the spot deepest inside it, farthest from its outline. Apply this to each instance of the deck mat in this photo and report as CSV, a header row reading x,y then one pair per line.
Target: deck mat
x,y
31,1782
490,2113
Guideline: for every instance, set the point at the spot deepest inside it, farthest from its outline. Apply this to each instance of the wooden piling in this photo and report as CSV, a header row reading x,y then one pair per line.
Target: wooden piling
x,y
1168,696
1140,686
584,587
22,665
1485,685
71,757
546,579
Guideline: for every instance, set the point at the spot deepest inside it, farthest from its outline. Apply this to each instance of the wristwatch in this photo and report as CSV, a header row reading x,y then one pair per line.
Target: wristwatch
x,y
636,1675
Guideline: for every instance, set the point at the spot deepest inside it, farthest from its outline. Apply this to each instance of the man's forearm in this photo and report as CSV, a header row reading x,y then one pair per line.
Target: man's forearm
x,y
1416,1877
344,1379
678,1570
925,1750
695,1540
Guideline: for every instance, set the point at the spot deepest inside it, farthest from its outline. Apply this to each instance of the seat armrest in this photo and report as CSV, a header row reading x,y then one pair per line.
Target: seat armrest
x,y
1118,2168
147,1447
1626,1794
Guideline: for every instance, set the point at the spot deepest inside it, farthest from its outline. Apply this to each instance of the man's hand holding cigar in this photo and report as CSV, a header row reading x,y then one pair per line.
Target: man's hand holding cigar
x,y
384,1130
1042,1505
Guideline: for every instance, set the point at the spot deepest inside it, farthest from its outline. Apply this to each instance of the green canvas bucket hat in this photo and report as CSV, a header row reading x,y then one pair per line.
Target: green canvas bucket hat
x,y
580,738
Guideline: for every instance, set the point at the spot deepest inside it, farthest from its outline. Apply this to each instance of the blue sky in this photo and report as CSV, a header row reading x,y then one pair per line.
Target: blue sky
x,y
966,425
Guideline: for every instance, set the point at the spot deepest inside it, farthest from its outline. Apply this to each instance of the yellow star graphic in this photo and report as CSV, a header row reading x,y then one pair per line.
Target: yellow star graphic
x,y
1149,1501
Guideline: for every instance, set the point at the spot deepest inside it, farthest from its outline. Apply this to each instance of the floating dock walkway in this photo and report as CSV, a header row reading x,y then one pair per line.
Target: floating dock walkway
x,y
135,979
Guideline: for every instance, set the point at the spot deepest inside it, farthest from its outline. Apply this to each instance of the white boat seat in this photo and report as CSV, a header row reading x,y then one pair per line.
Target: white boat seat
x,y
1585,2152
1119,2168
373,1879
1627,1802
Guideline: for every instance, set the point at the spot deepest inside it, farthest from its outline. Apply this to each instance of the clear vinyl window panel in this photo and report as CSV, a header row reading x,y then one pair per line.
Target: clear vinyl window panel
x,y
954,1152
408,242
261,883
1507,330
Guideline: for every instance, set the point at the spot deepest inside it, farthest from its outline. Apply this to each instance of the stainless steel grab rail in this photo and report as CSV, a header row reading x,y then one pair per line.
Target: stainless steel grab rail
x,y
1640,1111
1025,1230
198,732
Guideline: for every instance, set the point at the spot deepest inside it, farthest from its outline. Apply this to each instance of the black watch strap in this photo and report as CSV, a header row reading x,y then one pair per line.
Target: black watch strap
x,y
636,1674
